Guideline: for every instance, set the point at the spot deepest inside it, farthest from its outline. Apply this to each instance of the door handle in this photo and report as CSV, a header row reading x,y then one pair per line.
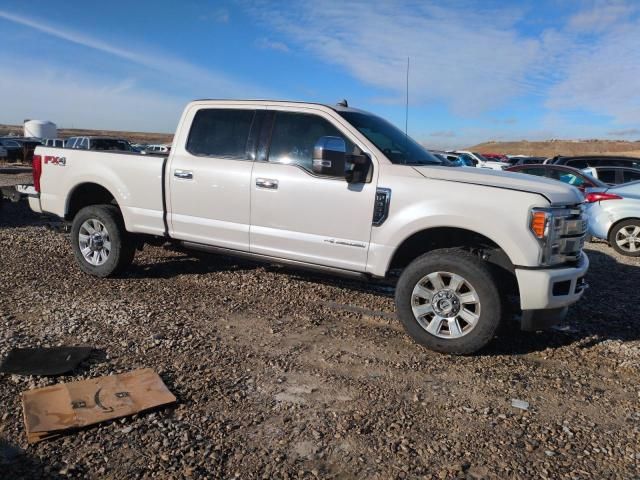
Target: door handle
x,y
184,174
269,183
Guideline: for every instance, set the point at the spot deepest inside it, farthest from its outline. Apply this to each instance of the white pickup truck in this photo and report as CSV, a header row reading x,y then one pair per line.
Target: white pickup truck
x,y
336,189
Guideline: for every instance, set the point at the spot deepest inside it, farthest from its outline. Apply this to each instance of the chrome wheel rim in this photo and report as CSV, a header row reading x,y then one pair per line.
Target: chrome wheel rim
x,y
446,305
628,238
94,242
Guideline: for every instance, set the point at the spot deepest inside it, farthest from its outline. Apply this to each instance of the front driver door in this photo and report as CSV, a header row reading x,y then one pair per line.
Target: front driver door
x,y
296,214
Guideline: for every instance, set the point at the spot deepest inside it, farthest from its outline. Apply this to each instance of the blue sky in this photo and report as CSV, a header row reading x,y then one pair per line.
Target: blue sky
x,y
485,70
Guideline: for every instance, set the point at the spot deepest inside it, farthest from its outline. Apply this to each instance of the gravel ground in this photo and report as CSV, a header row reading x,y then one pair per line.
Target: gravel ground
x,y
286,375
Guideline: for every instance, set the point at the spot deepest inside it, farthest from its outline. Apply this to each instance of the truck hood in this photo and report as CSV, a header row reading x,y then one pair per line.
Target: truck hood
x,y
556,192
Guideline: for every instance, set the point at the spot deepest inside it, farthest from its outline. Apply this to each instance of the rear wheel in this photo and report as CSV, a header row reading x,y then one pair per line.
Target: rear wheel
x,y
624,237
101,245
448,301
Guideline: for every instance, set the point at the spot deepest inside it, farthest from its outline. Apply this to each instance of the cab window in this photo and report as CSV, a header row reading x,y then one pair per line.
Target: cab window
x,y
294,136
220,133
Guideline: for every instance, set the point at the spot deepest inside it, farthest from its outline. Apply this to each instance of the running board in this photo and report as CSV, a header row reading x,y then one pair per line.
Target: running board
x,y
274,260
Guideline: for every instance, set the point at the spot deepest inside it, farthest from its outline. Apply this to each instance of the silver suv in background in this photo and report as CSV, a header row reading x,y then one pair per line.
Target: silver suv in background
x,y
98,143
53,142
614,215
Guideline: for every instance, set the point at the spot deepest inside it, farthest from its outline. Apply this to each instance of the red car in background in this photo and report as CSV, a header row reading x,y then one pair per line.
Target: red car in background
x,y
496,156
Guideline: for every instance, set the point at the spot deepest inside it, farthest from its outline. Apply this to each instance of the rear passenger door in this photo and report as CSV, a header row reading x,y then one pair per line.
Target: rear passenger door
x,y
209,175
299,215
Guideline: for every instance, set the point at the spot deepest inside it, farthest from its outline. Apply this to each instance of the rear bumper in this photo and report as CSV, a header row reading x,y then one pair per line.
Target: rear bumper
x,y
545,295
32,196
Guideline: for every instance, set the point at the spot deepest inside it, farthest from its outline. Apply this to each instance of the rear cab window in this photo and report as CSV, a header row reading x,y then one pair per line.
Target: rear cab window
x,y
221,133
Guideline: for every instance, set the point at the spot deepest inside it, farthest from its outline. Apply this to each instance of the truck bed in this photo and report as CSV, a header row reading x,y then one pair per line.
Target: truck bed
x,y
135,181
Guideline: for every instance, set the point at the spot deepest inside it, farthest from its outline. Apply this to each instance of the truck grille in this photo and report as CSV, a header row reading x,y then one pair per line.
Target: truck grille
x,y
570,230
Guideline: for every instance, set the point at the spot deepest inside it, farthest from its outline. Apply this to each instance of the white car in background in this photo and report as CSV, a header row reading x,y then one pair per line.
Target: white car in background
x,y
483,162
157,149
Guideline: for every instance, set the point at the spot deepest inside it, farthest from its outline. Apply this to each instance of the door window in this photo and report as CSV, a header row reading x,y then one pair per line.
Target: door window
x,y
631,175
532,171
607,175
567,177
220,133
295,135
581,163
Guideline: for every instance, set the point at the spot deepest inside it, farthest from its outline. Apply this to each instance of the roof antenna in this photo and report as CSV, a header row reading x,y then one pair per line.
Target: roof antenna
x,y
406,113
343,103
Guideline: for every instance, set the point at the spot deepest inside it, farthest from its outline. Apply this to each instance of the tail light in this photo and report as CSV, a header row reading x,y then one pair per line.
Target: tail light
x,y
37,171
600,196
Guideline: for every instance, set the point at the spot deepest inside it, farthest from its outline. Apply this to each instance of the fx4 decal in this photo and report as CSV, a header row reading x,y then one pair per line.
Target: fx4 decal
x,y
60,161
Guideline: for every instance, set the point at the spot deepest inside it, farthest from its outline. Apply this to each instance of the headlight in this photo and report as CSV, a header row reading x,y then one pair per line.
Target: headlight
x,y
560,232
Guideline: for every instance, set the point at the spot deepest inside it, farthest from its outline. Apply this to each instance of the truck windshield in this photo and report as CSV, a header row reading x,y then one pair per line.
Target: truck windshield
x,y
398,147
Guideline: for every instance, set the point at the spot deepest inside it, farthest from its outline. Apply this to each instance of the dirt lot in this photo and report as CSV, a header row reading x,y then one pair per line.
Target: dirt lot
x,y
283,375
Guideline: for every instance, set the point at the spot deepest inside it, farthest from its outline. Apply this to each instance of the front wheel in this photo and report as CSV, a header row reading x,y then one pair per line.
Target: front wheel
x,y
101,244
448,301
625,237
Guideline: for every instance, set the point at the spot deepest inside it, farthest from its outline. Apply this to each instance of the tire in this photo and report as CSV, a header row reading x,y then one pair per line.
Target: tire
x,y
111,251
468,325
629,231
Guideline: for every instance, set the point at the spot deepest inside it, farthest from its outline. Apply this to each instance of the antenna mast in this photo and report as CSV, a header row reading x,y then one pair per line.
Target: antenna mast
x,y
406,114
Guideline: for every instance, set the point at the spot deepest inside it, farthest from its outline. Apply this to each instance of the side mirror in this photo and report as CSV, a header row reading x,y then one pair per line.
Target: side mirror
x,y
329,157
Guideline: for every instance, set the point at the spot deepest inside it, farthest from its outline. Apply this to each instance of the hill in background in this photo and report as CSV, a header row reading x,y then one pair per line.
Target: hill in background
x,y
550,148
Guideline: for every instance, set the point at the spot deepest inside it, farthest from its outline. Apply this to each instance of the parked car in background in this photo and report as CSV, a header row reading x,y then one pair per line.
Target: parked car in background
x,y
449,159
98,143
569,175
614,175
12,149
597,161
3,153
614,215
482,162
157,149
20,148
525,160
53,142
497,157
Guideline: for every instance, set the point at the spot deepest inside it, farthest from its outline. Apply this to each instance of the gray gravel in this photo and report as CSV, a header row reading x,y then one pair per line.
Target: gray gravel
x,y
286,375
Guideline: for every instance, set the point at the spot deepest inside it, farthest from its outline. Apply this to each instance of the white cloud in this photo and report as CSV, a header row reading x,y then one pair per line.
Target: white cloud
x,y
603,77
443,134
71,98
601,16
221,15
198,79
268,44
475,60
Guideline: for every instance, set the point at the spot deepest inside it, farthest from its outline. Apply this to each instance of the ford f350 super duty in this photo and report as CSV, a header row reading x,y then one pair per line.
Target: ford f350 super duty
x,y
337,189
